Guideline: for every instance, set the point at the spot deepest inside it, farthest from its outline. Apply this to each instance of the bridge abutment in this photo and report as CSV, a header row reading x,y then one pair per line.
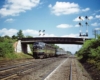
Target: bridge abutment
x,y
24,48
21,47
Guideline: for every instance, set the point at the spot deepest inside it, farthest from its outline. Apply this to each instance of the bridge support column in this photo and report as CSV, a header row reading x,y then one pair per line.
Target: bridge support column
x,y
24,48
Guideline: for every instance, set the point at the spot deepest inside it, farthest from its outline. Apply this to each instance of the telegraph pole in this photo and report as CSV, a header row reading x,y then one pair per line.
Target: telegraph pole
x,y
95,32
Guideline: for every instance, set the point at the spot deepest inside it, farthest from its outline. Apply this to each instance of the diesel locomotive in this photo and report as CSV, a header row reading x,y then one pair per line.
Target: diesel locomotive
x,y
43,50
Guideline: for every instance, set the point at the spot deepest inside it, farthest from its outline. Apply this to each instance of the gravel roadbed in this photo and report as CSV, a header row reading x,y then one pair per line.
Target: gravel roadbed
x,y
61,72
44,71
55,68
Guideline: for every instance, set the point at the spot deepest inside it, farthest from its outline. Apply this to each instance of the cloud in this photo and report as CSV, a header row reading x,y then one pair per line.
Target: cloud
x,y
95,24
34,33
71,35
14,7
50,35
70,47
77,25
9,20
82,18
97,16
86,9
90,17
64,26
53,35
9,32
50,6
64,8
96,12
30,32
77,19
97,28
27,32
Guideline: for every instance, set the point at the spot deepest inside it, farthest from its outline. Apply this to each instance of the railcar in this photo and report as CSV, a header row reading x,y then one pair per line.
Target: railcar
x,y
43,50
60,52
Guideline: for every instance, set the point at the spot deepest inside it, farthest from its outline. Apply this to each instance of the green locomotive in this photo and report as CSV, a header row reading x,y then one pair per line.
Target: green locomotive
x,y
43,50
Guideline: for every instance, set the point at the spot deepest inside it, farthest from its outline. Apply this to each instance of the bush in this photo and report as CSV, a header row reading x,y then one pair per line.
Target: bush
x,y
6,47
90,52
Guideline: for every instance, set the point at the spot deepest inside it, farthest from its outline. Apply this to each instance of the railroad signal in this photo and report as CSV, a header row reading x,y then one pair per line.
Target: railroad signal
x,y
87,24
41,33
86,17
80,18
80,24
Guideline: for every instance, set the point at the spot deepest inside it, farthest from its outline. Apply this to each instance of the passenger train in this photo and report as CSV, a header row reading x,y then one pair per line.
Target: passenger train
x,y
43,50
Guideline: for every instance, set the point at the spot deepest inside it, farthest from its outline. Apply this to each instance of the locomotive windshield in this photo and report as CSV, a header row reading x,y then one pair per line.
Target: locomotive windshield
x,y
39,44
36,43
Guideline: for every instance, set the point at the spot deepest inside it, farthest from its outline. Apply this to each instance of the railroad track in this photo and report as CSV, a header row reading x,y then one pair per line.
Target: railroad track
x,y
77,72
14,72
73,70
65,71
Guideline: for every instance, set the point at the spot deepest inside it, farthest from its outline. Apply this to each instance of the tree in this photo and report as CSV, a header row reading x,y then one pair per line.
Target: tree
x,y
29,36
6,36
14,37
6,47
20,34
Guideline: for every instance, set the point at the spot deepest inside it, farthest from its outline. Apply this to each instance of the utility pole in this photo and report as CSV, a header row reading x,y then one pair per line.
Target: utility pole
x,y
95,32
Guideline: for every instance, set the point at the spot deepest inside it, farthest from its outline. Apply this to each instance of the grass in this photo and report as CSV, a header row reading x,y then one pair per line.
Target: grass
x,y
13,56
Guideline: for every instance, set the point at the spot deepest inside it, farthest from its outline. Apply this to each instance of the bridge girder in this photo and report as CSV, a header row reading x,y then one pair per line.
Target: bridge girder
x,y
53,40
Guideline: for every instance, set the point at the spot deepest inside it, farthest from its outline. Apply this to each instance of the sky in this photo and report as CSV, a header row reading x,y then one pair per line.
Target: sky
x,y
59,18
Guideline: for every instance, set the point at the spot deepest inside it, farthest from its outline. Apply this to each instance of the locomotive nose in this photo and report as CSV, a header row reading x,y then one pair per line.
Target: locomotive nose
x,y
37,47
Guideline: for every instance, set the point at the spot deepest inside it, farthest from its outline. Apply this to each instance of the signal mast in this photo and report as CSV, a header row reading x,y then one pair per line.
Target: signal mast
x,y
81,25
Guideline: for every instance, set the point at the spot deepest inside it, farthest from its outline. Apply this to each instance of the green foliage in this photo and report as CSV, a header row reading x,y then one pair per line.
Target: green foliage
x,y
7,50
54,46
29,36
20,34
6,36
14,37
68,52
10,56
6,47
90,52
21,56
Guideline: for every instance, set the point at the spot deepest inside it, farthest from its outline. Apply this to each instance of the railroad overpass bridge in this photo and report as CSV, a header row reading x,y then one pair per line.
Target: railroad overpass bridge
x,y
51,40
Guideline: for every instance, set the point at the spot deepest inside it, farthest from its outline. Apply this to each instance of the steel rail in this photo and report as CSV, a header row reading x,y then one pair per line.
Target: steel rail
x,y
15,66
70,71
27,69
3,76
